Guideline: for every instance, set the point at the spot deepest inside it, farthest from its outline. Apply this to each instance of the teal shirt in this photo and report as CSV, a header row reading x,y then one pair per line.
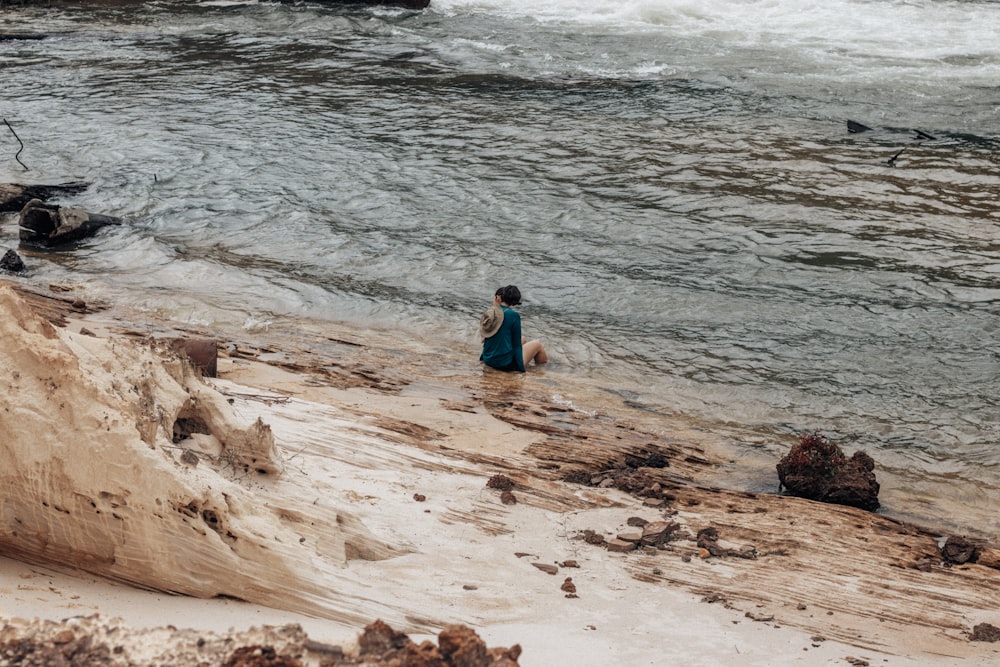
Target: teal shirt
x,y
503,349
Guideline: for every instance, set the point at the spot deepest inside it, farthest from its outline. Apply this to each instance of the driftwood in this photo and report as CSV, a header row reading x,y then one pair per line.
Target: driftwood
x,y
50,225
13,196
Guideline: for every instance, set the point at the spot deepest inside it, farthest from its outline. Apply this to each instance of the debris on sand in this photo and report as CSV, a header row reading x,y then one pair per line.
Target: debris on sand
x,y
501,482
458,646
505,485
93,640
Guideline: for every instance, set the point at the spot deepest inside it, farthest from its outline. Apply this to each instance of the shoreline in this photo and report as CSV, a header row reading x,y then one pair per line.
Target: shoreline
x,y
819,571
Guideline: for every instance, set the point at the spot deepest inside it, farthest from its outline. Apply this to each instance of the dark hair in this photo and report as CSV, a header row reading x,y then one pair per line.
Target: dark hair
x,y
510,295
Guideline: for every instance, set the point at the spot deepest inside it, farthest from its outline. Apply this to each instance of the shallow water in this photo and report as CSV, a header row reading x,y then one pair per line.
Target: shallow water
x,y
672,185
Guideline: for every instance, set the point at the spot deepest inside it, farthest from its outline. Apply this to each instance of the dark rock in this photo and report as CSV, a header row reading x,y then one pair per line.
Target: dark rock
x,y
959,550
49,225
13,196
21,36
407,4
985,632
817,469
501,482
12,262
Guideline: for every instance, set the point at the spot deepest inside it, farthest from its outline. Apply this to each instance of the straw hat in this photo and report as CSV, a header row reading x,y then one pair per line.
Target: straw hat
x,y
490,322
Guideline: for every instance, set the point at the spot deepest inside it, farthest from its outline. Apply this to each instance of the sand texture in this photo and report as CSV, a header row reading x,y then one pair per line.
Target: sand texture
x,y
315,488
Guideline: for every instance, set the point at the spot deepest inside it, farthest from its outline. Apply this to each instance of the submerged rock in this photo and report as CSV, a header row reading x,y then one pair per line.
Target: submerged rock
x,y
12,262
49,224
817,469
13,196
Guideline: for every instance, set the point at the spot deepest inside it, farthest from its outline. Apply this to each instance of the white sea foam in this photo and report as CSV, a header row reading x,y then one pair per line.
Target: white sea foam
x,y
961,38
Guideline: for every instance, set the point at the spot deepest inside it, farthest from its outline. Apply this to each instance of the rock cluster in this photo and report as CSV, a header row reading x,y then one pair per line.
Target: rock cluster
x,y
458,646
92,640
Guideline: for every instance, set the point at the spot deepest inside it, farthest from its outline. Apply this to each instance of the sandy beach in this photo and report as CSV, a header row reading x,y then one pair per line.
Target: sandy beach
x,y
386,501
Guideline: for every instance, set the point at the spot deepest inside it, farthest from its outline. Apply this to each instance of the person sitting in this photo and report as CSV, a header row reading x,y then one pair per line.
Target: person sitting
x,y
504,348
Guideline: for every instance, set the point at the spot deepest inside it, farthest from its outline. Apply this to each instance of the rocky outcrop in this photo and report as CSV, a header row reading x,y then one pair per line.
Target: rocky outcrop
x,y
817,469
50,225
13,196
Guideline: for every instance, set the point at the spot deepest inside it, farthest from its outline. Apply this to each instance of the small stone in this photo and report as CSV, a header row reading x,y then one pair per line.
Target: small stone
x,y
507,497
547,568
630,536
636,521
703,553
653,502
569,563
620,546
470,587
655,532
63,637
568,586
419,497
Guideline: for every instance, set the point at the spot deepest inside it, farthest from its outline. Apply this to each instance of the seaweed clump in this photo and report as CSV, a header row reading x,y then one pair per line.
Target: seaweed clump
x,y
818,469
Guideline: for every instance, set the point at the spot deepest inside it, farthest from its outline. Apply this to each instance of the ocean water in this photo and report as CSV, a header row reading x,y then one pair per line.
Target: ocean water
x,y
672,185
